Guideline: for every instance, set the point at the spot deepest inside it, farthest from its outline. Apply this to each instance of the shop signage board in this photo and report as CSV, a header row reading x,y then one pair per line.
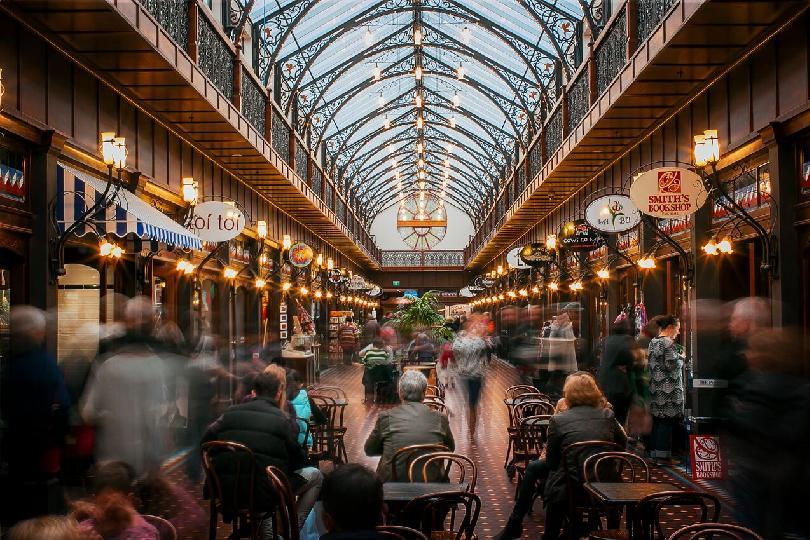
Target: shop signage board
x,y
335,276
375,291
667,192
579,236
217,221
488,282
300,255
395,283
612,214
411,293
707,461
357,283
536,254
514,260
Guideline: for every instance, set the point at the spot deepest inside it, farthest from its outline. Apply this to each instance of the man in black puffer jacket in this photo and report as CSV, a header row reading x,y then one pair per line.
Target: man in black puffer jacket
x,y
260,425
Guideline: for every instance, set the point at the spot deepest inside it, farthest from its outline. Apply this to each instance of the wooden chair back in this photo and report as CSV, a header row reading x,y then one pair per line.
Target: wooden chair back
x,y
436,404
165,529
406,455
710,531
285,522
531,407
235,500
650,509
530,437
520,389
434,391
450,515
334,392
447,462
627,464
573,457
398,532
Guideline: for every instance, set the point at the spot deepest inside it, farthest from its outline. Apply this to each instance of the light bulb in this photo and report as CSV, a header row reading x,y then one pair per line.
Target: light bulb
x,y
420,123
107,148
330,264
417,73
318,294
646,263
710,248
120,152
460,72
319,259
286,286
105,250
417,37
377,72
456,100
260,283
116,251
576,286
286,242
329,294
190,190
229,272
304,291
712,145
420,163
418,100
453,121
604,273
369,37
386,122
700,151
181,264
553,286
419,148
523,292
551,242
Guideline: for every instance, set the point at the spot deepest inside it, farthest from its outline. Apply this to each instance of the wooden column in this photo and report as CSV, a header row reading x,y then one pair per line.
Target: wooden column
x,y
631,13
565,114
268,119
237,79
593,95
192,47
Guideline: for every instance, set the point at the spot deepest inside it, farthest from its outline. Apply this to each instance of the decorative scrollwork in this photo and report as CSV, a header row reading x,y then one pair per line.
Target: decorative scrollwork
x,y
253,102
281,136
611,56
578,97
270,31
216,59
172,17
317,181
650,15
301,158
329,195
535,159
553,133
520,179
443,258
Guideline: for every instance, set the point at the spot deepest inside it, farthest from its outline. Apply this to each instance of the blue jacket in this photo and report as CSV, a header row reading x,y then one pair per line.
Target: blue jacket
x,y
303,412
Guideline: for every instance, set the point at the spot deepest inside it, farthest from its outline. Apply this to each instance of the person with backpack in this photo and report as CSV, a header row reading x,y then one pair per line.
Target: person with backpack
x,y
348,339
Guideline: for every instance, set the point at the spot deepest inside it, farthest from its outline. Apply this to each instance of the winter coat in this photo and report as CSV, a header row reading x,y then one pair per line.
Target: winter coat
x,y
617,360
577,424
666,379
303,412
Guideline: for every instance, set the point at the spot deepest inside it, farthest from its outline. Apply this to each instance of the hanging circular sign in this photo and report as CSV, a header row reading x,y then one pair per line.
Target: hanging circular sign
x,y
668,192
488,282
579,236
536,254
513,259
300,255
612,214
375,291
217,221
466,292
357,283
335,276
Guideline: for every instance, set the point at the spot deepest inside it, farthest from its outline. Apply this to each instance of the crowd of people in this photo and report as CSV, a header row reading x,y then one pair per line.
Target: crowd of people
x,y
118,416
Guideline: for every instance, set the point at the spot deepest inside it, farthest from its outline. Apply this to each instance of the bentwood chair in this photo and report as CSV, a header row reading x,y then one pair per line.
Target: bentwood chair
x,y
710,531
512,393
579,504
526,405
285,518
702,507
398,532
230,475
434,391
403,457
443,464
165,529
328,438
450,515
529,441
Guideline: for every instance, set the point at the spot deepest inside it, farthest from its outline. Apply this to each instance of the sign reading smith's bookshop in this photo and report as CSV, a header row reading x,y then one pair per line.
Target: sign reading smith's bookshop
x,y
668,192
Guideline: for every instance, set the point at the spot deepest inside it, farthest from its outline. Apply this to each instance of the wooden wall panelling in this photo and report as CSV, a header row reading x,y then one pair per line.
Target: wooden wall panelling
x,y
762,86
33,77
718,112
161,157
146,142
9,47
128,128
60,93
108,119
685,134
85,109
739,98
791,68
175,162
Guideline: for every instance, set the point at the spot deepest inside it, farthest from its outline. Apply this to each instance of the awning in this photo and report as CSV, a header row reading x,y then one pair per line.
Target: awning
x,y
129,214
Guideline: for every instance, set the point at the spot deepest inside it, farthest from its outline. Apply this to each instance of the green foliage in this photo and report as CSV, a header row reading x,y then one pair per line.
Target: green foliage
x,y
422,315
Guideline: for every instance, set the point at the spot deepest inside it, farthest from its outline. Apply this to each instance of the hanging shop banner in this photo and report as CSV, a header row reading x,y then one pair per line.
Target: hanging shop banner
x,y
536,254
301,255
335,276
513,259
488,282
612,214
707,462
668,192
579,236
357,283
375,291
217,221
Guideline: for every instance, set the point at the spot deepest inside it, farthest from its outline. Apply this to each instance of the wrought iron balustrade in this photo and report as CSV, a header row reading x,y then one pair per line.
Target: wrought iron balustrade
x,y
423,259
301,158
281,136
216,58
611,56
578,100
172,17
520,179
317,181
553,132
535,159
253,101
329,196
650,13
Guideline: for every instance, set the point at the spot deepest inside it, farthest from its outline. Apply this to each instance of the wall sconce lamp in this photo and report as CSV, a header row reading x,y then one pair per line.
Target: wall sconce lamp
x,y
646,263
551,242
576,286
604,273
553,286
229,273
260,283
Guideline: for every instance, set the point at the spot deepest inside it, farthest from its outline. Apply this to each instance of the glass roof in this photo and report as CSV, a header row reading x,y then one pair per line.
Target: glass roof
x,y
403,91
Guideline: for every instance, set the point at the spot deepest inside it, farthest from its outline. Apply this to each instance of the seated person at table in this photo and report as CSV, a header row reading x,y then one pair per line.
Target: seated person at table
x,y
352,498
379,362
583,416
421,350
299,399
111,513
408,424
263,427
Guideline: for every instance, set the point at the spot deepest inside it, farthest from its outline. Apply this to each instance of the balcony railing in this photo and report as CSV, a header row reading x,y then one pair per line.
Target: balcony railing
x,y
611,53
423,259
193,27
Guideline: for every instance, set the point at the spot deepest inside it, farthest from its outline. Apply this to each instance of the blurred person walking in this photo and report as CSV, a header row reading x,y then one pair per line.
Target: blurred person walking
x,y
769,437
35,407
666,387
620,354
371,331
471,354
348,339
126,396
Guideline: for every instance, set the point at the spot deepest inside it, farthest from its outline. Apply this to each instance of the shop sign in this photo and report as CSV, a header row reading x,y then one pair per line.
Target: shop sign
x,y
466,292
612,214
488,282
335,276
395,283
707,461
668,192
217,221
375,291
357,283
579,236
410,293
300,255
513,259
536,254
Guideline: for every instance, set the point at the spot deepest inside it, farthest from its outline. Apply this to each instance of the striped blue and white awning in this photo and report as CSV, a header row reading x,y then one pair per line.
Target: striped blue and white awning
x,y
129,214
